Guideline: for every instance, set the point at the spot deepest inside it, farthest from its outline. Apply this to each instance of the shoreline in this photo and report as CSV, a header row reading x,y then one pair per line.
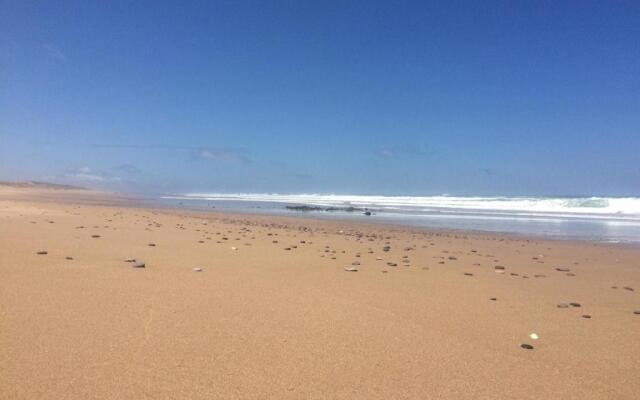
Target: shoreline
x,y
145,201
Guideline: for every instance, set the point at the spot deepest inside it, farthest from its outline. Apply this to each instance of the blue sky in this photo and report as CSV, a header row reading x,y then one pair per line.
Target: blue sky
x,y
418,98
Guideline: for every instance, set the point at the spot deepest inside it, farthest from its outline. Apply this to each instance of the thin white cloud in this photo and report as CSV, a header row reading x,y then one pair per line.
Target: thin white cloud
x,y
54,52
86,174
227,155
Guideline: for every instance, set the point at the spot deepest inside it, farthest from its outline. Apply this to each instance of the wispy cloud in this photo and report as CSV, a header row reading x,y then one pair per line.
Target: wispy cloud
x,y
54,52
86,174
222,154
218,154
385,153
397,151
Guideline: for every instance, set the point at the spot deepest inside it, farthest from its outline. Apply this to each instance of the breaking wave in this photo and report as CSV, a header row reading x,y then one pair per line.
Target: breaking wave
x,y
586,207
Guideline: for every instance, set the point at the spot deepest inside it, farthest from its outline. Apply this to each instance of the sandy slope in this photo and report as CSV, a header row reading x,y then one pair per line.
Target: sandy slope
x,y
265,322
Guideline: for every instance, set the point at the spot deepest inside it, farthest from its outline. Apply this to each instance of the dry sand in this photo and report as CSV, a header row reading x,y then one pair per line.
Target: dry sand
x,y
264,322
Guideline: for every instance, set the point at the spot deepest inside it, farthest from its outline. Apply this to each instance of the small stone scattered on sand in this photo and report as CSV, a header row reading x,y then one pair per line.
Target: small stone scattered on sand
x,y
42,253
95,236
139,265
563,305
152,245
575,304
68,258
351,269
197,269
587,316
526,346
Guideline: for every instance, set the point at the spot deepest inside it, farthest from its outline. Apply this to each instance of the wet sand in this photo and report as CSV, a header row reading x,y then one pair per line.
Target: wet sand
x,y
294,308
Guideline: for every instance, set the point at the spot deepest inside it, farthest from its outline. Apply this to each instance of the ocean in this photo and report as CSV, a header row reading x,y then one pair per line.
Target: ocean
x,y
601,219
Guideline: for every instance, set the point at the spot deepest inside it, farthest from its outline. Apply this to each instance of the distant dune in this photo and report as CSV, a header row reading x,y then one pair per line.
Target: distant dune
x,y
41,185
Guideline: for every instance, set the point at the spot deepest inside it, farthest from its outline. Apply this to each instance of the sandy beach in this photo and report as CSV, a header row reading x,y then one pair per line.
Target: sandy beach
x,y
293,308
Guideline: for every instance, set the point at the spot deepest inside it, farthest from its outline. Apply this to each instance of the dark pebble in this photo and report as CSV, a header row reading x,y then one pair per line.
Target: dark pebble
x,y
526,346
42,253
152,245
139,265
68,258
575,304
587,316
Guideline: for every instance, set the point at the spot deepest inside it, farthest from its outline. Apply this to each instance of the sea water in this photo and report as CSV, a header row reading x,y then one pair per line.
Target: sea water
x,y
608,219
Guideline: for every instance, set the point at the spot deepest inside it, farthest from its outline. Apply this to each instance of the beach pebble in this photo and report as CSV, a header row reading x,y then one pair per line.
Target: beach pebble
x,y
526,346
628,288
386,248
197,269
351,269
95,236
637,312
130,260
494,299
139,265
42,252
563,305
575,304
68,258
534,336
234,248
587,316
468,274
152,245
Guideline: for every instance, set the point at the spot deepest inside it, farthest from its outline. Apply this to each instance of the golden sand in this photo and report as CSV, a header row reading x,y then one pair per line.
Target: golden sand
x,y
263,322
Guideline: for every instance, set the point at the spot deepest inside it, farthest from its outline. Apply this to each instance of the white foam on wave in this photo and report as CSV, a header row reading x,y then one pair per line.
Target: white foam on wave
x,y
589,207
